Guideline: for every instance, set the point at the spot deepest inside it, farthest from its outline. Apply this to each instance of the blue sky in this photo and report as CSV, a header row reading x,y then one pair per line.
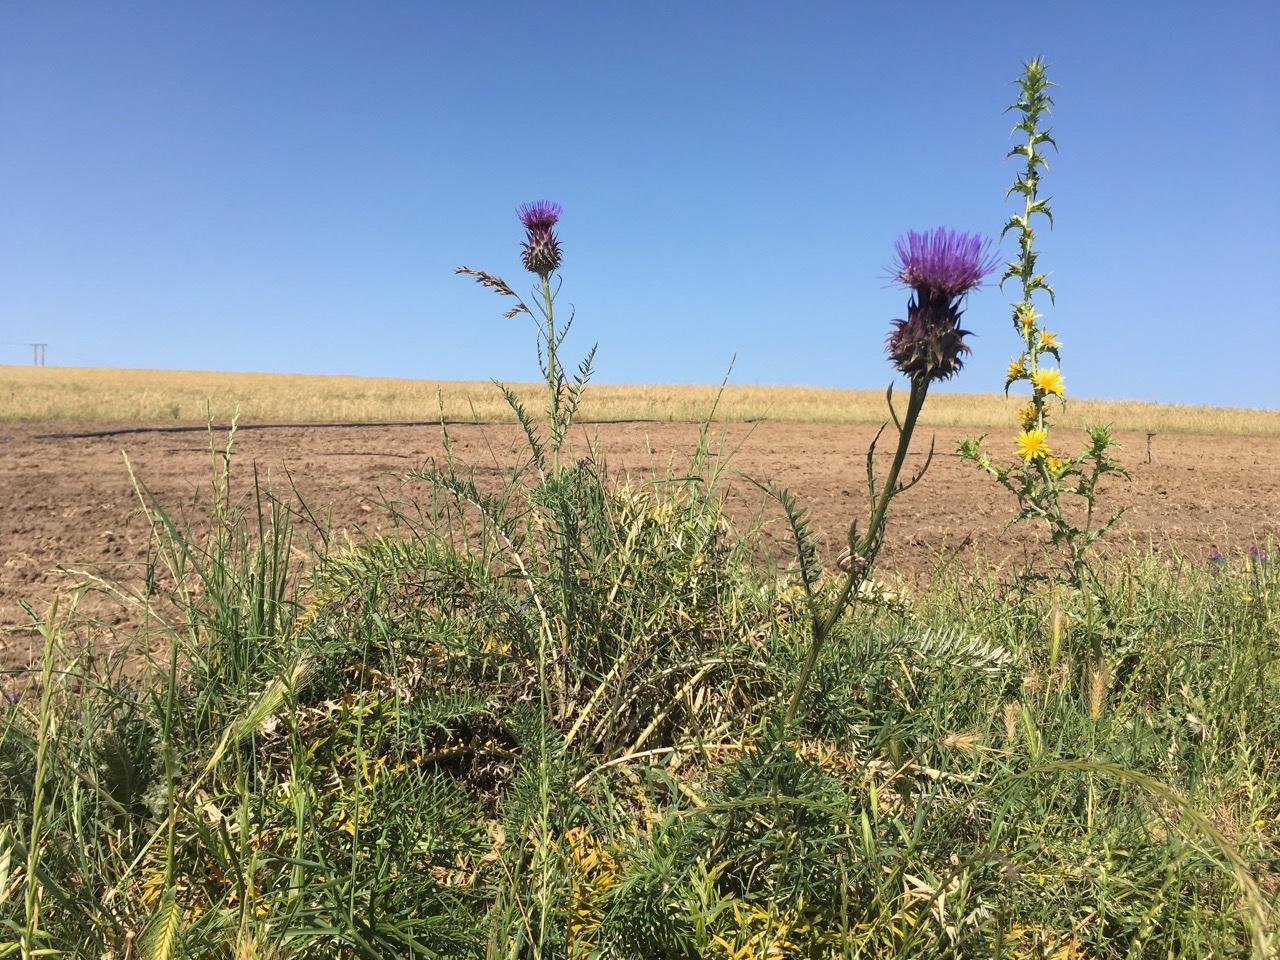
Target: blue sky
x,y
287,186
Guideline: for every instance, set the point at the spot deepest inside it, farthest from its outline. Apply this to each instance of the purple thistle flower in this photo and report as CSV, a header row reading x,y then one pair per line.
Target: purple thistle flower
x,y
541,248
940,266
941,263
539,215
1217,562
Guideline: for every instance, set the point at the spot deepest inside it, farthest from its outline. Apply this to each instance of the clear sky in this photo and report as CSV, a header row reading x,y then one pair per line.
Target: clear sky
x,y
288,186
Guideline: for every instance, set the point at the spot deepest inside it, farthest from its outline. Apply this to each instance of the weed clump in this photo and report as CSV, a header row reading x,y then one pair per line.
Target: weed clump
x,y
563,714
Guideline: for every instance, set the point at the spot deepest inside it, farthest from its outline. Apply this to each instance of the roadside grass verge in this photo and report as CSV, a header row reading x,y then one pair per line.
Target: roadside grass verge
x,y
548,722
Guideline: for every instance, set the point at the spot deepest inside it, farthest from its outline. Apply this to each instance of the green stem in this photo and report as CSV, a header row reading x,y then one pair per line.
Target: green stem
x,y
542,848
867,548
553,375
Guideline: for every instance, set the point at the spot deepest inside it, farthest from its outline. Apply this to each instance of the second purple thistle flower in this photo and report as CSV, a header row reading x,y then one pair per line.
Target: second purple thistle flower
x,y
541,248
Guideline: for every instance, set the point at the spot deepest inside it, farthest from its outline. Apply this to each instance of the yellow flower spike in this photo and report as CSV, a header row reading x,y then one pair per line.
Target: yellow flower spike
x,y
1031,444
1047,380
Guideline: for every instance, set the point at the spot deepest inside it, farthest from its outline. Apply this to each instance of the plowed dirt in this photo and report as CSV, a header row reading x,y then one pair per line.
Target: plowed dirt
x,y
70,506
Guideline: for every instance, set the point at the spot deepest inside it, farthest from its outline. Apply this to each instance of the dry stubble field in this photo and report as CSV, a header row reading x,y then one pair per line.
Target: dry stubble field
x,y
70,505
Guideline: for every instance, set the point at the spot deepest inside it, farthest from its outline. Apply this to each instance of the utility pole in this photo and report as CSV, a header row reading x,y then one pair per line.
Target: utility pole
x,y
37,354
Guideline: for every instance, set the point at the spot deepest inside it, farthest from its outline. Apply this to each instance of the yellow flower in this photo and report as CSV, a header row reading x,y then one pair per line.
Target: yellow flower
x,y
1031,444
1047,380
1054,464
1027,416
1017,368
1028,319
1048,340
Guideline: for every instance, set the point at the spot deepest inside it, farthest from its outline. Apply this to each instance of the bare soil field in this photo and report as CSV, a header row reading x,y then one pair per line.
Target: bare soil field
x,y
70,507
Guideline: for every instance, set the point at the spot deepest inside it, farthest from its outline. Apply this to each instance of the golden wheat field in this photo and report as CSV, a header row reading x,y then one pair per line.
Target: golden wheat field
x,y
88,393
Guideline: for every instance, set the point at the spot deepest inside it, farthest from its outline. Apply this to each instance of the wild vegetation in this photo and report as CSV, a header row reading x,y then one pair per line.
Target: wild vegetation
x,y
576,717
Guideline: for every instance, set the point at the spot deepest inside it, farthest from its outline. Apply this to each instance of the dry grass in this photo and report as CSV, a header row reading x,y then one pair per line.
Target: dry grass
x,y
83,393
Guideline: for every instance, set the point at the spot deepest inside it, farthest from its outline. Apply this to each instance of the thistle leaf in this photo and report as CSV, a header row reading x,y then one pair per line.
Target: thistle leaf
x,y
526,423
1041,206
953,647
1017,220
803,541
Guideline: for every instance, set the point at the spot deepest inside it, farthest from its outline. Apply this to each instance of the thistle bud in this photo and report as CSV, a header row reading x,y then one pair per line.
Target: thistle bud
x,y
929,344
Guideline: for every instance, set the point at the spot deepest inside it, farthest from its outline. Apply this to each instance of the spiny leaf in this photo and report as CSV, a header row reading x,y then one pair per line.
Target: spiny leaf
x,y
1017,220
526,422
574,392
1036,159
957,648
1041,206
802,539
1023,186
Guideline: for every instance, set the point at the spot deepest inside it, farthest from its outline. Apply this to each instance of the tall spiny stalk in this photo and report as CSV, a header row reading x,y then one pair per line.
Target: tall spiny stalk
x,y
1040,479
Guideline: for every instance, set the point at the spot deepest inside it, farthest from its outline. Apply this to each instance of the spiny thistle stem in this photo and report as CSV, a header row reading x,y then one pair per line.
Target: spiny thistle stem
x,y
865,551
554,379
940,267
1033,103
875,529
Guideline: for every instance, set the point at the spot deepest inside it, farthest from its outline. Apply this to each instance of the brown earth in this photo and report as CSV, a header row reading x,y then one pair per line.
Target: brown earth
x,y
70,507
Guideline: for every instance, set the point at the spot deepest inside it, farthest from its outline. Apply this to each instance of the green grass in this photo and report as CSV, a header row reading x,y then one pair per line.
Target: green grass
x,y
548,722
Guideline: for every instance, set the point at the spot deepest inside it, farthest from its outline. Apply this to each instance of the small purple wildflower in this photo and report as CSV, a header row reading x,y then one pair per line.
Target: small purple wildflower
x,y
541,248
10,699
940,266
1257,555
1217,562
